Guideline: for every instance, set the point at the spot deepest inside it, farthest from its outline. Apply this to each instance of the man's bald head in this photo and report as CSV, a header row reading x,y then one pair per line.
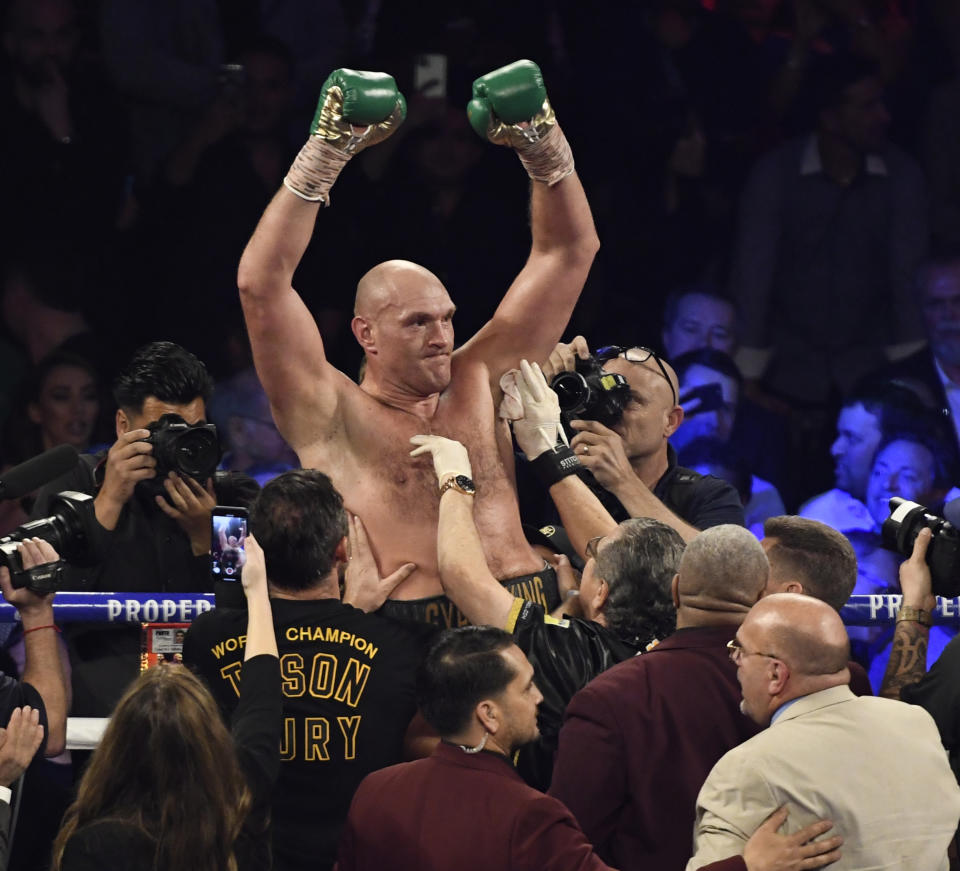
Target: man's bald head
x,y
670,380
391,283
723,571
806,633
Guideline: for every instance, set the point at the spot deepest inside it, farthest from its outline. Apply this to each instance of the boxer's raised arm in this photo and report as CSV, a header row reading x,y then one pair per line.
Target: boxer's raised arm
x,y
356,109
510,107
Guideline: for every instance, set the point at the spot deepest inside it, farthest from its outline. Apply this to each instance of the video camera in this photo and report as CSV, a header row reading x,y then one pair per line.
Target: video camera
x,y
900,531
70,529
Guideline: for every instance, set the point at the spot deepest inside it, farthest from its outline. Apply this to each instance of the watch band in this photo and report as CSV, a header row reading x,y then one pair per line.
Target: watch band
x,y
914,615
460,483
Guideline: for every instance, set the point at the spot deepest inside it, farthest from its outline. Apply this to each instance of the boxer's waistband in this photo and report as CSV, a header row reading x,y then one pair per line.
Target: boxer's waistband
x,y
539,587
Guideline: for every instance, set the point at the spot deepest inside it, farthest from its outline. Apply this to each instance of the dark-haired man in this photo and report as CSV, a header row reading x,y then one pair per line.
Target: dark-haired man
x,y
149,536
638,741
466,808
152,537
347,675
865,418
812,559
622,607
832,227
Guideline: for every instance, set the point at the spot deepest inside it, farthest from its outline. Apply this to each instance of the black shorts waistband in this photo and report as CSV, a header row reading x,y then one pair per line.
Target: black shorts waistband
x,y
539,587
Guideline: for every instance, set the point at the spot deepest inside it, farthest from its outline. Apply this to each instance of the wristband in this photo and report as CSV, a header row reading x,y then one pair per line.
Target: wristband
x,y
555,465
914,615
52,626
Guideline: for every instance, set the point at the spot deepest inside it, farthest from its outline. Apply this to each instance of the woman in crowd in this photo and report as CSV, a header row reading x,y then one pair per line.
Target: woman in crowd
x,y
167,787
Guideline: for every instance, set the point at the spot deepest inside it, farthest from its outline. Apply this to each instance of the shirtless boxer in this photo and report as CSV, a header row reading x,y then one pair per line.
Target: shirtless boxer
x,y
414,380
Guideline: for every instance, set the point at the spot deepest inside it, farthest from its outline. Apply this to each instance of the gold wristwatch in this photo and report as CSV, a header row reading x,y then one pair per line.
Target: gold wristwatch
x,y
460,483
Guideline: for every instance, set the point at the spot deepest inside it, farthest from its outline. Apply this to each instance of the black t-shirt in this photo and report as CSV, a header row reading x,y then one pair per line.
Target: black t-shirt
x,y
938,692
348,685
147,552
702,501
566,655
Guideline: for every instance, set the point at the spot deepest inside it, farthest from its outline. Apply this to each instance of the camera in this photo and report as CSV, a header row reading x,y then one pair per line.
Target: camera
x,y
589,393
190,450
70,529
900,531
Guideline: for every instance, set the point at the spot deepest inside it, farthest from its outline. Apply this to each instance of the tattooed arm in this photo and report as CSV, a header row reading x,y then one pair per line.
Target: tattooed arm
x,y
908,658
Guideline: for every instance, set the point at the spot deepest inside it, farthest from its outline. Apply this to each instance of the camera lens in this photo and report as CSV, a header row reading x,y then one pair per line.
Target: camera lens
x,y
573,392
197,452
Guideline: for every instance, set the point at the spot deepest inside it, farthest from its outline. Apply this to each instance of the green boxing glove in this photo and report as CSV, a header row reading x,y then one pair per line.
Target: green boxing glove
x,y
510,107
506,97
356,109
355,98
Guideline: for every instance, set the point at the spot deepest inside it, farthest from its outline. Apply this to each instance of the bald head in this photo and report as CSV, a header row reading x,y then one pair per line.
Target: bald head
x,y
392,282
804,632
722,571
671,379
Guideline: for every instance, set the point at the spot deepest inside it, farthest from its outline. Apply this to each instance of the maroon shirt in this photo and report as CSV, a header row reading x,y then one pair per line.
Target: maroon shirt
x,y
639,741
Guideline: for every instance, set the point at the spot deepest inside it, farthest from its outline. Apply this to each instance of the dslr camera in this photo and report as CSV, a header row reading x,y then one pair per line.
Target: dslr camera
x,y
190,450
900,531
70,529
589,393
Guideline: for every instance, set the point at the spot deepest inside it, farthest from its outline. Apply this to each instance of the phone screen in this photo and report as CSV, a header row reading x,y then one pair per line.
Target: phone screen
x,y
228,535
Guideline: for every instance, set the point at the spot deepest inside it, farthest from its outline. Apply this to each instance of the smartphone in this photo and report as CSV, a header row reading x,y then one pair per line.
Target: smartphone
x,y
228,534
231,80
706,397
430,75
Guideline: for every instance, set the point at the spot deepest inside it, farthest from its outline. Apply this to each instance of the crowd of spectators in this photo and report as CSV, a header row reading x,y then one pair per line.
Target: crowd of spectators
x,y
775,187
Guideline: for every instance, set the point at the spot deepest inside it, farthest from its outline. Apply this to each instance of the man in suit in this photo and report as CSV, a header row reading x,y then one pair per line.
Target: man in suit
x,y
466,807
934,371
638,741
874,766
476,689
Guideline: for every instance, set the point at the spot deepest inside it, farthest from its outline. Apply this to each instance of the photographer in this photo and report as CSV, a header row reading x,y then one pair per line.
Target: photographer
x,y
152,533
937,691
634,467
152,524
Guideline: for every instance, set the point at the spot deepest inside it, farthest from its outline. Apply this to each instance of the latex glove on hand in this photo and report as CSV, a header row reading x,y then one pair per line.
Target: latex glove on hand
x,y
539,429
450,458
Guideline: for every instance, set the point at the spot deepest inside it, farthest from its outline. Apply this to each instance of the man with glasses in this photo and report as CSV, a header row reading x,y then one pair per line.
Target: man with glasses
x,y
874,766
634,467
639,740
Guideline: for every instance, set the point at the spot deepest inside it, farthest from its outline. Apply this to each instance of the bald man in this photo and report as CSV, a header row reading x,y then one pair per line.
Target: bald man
x,y
633,465
639,740
415,381
874,766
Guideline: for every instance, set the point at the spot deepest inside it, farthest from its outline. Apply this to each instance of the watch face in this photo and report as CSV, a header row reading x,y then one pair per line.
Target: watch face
x,y
465,484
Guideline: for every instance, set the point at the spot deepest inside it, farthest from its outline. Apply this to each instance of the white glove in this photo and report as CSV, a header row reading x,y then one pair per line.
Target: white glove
x,y
539,428
449,457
